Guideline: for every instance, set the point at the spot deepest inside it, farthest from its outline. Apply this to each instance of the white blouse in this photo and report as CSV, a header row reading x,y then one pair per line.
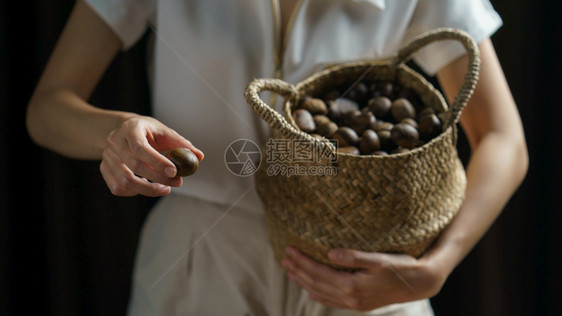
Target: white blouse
x,y
206,52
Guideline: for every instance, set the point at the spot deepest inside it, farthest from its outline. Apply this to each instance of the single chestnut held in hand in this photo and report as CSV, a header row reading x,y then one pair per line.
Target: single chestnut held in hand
x,y
185,160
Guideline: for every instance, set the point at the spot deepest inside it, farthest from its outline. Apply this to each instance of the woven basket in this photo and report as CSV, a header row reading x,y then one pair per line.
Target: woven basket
x,y
397,203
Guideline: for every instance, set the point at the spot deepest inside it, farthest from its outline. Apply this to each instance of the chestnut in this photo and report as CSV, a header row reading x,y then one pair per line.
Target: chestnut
x,y
345,136
327,129
380,106
304,120
358,92
360,122
404,135
410,121
314,106
185,160
369,143
348,150
320,119
339,107
429,126
402,108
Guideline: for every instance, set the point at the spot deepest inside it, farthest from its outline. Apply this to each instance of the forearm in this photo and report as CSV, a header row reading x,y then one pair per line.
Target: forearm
x,y
499,157
496,168
60,120
58,116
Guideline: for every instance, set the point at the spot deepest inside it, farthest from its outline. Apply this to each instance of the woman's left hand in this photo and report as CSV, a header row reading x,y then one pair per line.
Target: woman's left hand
x,y
382,278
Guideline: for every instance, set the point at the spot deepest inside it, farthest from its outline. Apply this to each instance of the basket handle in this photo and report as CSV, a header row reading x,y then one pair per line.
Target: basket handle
x,y
276,120
471,77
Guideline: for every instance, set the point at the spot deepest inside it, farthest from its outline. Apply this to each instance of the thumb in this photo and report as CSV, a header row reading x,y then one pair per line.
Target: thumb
x,y
355,259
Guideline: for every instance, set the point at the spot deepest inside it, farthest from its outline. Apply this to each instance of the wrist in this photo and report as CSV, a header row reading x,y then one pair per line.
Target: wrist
x,y
122,117
444,255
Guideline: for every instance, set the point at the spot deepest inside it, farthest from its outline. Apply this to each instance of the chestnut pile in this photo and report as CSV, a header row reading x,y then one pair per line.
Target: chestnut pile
x,y
371,118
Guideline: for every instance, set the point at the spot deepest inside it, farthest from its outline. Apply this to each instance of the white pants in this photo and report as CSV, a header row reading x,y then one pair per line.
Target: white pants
x,y
200,258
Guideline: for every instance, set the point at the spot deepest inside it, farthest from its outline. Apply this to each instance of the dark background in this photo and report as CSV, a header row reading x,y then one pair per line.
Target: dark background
x,y
67,245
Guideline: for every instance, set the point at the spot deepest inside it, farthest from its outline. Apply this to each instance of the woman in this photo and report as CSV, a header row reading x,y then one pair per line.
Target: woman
x,y
203,249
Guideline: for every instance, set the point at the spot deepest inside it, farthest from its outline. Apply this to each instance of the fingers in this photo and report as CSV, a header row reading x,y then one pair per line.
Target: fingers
x,y
170,140
316,276
142,139
140,158
317,286
132,163
382,278
147,162
326,285
318,290
123,182
130,185
357,259
327,301
324,293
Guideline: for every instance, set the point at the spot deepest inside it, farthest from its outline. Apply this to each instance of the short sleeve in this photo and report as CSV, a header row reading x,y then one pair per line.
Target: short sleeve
x,y
127,18
476,17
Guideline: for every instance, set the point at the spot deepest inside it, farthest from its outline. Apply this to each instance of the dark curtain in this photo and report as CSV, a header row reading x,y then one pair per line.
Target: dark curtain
x,y
67,245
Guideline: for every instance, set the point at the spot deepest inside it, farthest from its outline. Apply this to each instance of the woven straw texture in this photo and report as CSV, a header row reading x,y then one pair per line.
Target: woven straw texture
x,y
397,203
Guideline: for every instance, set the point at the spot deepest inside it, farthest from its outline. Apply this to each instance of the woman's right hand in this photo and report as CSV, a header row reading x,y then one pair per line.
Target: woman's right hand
x,y
132,161
60,119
